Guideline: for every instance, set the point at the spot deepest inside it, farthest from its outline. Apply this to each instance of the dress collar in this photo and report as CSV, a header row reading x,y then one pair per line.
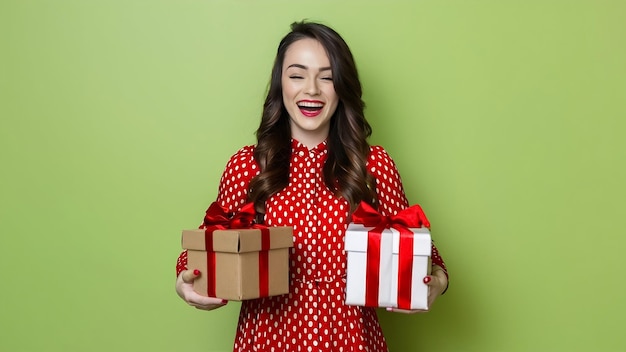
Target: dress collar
x,y
296,146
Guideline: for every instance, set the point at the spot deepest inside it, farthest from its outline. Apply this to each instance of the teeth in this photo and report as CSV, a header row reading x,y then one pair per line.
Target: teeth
x,y
308,104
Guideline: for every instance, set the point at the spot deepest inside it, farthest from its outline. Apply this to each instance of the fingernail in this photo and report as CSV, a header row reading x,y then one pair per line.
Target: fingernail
x,y
196,272
224,301
426,279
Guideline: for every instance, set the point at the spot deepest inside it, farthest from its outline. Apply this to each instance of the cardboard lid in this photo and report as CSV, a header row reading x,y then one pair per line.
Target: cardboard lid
x,y
238,240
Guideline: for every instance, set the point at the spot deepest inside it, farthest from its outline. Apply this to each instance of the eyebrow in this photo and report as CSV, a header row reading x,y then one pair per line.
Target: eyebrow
x,y
306,68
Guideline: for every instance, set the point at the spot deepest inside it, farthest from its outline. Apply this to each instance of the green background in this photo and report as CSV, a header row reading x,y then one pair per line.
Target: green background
x,y
506,120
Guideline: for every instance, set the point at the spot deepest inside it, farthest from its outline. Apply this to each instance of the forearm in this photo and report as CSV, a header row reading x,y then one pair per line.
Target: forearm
x,y
442,276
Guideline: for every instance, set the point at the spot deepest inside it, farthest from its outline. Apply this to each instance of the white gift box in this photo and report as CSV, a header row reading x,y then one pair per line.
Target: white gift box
x,y
384,281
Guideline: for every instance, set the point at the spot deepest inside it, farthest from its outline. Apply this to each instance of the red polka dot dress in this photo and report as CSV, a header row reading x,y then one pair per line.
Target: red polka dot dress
x,y
313,316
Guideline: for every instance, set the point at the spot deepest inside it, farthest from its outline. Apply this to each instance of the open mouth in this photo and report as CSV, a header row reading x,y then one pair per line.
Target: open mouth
x,y
310,108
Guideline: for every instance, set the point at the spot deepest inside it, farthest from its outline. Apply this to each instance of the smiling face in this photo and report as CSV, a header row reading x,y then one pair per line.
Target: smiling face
x,y
308,91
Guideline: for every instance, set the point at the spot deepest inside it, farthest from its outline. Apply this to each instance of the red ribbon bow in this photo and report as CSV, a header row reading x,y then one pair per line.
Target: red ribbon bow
x,y
410,217
216,218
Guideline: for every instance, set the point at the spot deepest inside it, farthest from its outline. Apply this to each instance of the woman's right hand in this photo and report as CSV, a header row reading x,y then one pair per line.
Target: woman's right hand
x,y
184,288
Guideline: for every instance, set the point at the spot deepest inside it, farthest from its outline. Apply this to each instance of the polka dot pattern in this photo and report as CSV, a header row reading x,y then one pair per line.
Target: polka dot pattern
x,y
313,316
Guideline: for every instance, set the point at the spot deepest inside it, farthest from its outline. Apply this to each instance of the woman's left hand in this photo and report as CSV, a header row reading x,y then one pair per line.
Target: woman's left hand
x,y
437,283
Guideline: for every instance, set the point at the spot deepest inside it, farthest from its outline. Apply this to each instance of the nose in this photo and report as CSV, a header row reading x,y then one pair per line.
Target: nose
x,y
312,87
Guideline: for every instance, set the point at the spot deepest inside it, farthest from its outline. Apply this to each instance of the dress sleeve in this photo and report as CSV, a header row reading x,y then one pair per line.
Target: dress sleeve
x,y
233,189
240,169
390,192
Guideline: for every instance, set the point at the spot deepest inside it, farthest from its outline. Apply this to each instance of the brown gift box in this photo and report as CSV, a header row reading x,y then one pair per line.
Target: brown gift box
x,y
237,261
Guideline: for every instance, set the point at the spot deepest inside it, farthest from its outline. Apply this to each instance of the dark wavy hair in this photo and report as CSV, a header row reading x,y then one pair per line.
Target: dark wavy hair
x,y
345,171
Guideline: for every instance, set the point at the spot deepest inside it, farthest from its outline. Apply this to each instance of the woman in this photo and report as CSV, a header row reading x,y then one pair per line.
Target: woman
x,y
310,168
